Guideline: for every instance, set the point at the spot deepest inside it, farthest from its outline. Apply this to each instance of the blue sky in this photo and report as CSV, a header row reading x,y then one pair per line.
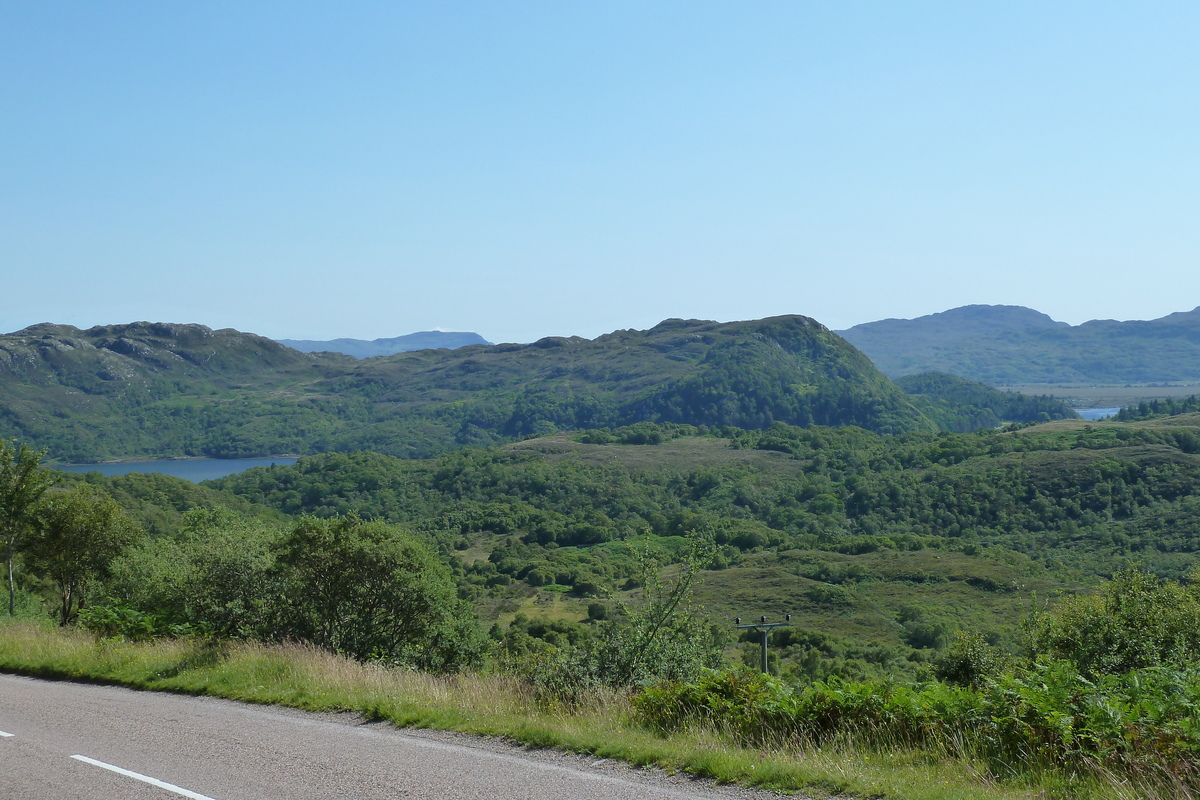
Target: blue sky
x,y
314,170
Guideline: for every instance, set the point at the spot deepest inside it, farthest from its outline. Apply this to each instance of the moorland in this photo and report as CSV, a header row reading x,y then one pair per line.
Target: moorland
x,y
981,586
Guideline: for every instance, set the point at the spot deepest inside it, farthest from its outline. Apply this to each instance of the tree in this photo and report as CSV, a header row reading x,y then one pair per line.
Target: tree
x,y
22,482
1136,621
214,574
373,592
81,531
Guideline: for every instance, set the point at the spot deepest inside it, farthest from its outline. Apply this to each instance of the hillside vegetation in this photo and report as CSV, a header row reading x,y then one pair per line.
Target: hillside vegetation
x,y
940,586
185,390
880,546
1006,345
959,405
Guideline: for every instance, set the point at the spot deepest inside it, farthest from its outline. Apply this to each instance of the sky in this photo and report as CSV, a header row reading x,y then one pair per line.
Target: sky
x,y
525,169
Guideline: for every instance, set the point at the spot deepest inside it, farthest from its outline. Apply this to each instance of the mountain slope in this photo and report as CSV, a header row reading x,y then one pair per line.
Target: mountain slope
x,y
362,348
154,389
959,405
1012,345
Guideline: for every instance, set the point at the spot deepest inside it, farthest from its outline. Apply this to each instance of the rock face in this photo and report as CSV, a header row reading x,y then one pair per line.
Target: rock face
x,y
161,389
1002,345
361,348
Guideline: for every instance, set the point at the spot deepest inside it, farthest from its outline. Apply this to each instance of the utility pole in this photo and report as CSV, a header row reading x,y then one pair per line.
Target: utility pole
x,y
764,629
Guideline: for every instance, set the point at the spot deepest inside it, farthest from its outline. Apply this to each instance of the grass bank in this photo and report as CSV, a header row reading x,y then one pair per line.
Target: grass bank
x,y
498,705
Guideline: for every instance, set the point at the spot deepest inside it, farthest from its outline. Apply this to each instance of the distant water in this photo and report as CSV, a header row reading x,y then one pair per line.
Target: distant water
x,y
1096,413
193,469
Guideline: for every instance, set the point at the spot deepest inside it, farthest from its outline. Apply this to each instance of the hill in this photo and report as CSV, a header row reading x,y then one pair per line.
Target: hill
x,y
959,405
362,348
879,546
150,389
1002,345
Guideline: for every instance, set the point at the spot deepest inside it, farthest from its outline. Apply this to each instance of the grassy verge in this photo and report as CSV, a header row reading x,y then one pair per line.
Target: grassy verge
x,y
497,705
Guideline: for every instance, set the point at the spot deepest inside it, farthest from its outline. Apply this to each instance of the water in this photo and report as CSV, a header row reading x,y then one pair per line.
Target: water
x,y
1096,413
193,469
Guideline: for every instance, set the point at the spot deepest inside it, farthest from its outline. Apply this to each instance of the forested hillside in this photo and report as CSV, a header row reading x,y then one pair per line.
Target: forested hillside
x,y
185,390
870,541
1004,345
959,405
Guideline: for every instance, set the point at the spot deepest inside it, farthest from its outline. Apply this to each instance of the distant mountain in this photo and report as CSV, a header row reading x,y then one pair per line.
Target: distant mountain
x,y
151,389
361,348
1002,345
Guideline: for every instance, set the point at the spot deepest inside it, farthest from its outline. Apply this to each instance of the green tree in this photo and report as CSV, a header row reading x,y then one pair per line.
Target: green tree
x,y
214,574
1136,621
373,592
22,482
81,531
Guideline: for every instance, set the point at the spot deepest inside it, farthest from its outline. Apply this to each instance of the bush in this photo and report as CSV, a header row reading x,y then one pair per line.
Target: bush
x,y
968,661
1142,725
1137,621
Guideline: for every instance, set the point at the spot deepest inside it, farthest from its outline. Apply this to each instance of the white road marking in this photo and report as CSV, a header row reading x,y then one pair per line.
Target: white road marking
x,y
145,778
2,733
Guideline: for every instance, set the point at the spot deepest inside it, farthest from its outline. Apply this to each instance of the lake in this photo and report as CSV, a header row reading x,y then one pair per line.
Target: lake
x,y
192,469
1096,413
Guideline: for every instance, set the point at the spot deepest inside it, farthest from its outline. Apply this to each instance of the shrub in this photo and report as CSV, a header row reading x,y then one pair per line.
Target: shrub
x,y
1137,621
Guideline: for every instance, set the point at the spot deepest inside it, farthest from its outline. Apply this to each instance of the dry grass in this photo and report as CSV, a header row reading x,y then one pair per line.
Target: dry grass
x,y
499,705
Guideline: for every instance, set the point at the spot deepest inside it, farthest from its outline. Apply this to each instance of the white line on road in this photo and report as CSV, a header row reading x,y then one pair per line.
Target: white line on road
x,y
2,733
146,778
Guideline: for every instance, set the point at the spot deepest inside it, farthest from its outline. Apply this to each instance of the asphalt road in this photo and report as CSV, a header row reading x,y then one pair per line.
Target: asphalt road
x,y
67,740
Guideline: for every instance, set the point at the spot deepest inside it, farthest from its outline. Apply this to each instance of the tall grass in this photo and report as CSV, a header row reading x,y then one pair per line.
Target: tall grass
x,y
605,725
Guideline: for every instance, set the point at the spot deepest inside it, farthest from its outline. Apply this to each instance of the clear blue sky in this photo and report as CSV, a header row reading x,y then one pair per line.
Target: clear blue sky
x,y
523,169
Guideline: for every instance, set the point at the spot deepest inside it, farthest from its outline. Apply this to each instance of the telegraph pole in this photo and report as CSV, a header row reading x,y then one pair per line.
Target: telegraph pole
x,y
764,629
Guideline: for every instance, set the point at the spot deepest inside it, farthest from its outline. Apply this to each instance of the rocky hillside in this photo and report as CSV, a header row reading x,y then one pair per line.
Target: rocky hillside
x,y
150,389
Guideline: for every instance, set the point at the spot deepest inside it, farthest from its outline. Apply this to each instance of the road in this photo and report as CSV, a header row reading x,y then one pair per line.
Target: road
x,y
67,740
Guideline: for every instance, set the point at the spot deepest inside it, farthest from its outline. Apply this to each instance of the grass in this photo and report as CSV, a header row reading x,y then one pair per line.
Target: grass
x,y
498,705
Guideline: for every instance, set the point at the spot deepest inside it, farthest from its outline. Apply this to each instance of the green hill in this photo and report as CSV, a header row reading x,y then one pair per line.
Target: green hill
x,y
959,405
881,546
1002,345
149,389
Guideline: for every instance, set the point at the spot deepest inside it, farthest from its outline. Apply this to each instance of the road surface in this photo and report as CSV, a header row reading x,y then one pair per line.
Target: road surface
x,y
67,740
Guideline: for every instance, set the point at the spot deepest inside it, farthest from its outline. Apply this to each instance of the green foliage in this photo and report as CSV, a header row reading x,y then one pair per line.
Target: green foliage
x,y
969,661
659,635
159,503
1141,725
1136,621
23,481
367,590
214,576
839,526
80,532
959,405
122,622
147,389
1161,407
364,589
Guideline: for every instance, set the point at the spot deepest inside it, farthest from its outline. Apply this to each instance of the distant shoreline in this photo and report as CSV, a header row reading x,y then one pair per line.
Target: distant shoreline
x,y
162,459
